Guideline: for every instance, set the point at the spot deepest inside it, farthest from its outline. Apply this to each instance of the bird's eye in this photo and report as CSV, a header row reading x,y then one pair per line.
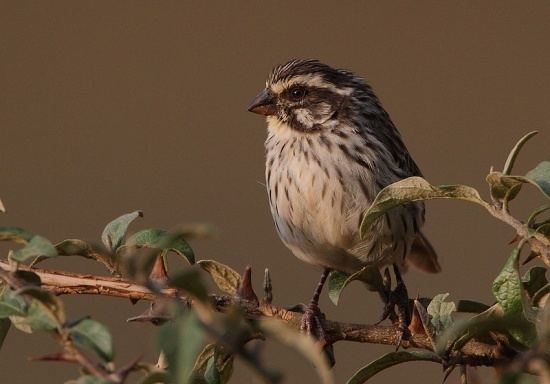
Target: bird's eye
x,y
297,93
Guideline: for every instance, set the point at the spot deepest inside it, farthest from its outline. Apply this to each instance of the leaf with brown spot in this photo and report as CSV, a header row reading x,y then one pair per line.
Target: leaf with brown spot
x,y
227,279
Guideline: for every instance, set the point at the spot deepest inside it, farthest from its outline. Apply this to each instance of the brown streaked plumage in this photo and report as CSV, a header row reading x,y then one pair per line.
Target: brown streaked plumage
x,y
331,148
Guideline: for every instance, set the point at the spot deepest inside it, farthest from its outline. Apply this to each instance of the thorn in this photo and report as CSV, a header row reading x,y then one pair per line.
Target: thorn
x,y
151,315
514,239
268,289
125,371
57,356
416,326
245,290
529,257
447,372
158,274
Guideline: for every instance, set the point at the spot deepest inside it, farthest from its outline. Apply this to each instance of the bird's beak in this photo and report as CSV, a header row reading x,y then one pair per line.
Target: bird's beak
x,y
264,104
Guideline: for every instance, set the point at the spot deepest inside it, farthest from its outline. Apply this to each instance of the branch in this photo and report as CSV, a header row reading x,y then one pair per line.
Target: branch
x,y
539,243
474,353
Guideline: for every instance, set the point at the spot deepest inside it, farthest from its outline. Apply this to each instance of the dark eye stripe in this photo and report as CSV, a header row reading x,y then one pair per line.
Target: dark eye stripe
x,y
314,94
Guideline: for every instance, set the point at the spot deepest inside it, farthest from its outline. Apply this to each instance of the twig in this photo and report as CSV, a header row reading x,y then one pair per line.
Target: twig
x,y
539,243
474,353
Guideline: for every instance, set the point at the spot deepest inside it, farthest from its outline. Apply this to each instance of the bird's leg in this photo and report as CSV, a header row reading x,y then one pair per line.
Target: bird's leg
x,y
401,299
313,317
396,307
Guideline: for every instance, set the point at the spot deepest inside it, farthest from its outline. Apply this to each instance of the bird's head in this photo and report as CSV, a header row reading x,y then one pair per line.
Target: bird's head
x,y
306,95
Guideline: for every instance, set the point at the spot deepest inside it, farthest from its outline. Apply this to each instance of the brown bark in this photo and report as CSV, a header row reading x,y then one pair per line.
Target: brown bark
x,y
473,353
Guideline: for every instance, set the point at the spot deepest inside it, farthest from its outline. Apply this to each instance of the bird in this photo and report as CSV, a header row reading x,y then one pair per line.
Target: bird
x,y
330,148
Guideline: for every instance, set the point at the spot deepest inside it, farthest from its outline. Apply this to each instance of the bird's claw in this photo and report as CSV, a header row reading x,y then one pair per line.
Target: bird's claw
x,y
312,323
397,310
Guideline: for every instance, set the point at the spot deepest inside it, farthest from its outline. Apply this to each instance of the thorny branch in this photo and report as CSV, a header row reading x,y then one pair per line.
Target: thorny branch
x,y
474,353
539,243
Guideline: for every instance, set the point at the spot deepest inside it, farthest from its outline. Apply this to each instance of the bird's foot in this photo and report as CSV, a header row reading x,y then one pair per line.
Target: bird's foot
x,y
396,309
312,323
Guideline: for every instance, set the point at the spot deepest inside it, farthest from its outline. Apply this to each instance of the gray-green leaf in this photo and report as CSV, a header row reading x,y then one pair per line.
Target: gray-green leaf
x,y
36,318
337,281
114,232
162,239
441,312
389,360
515,151
93,335
181,340
11,304
414,189
214,360
305,345
227,279
15,234
540,175
190,281
38,246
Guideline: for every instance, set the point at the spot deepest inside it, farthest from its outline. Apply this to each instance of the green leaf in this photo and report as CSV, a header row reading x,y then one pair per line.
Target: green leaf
x,y
504,187
534,279
507,187
190,281
510,294
114,232
11,304
227,279
305,345
36,318
389,360
162,239
512,314
38,246
414,189
212,375
515,151
77,247
94,336
181,340
540,175
214,358
70,247
50,303
15,234
507,287
4,328
337,281
441,312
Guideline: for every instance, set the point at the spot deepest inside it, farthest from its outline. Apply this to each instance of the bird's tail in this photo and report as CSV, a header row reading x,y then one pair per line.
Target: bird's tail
x,y
422,255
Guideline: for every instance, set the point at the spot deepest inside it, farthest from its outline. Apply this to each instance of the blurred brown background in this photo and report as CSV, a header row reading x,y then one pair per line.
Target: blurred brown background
x,y
111,106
